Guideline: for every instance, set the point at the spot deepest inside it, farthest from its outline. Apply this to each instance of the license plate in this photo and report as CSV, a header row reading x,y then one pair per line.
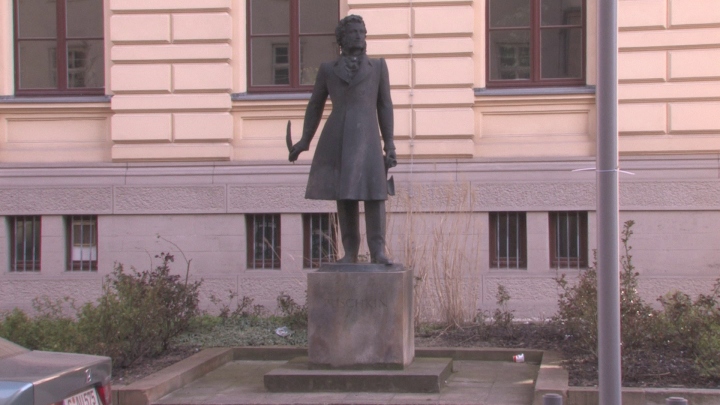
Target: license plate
x,y
88,397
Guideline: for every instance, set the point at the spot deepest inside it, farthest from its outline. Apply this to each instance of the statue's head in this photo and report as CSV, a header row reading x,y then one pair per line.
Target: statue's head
x,y
350,33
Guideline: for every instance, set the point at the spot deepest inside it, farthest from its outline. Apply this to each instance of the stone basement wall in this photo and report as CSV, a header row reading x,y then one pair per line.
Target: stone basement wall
x,y
200,208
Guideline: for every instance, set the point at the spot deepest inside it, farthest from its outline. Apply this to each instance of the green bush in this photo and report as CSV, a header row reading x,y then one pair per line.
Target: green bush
x,y
137,315
293,314
51,329
577,307
139,312
244,308
693,327
18,327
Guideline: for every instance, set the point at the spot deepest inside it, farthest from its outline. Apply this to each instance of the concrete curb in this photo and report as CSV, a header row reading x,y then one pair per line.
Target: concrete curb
x,y
552,378
645,396
159,384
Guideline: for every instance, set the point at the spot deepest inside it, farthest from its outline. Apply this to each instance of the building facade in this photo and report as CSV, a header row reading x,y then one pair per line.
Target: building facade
x,y
134,127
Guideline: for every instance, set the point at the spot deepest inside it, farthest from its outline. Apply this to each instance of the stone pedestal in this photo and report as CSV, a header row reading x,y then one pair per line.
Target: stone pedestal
x,y
360,316
424,375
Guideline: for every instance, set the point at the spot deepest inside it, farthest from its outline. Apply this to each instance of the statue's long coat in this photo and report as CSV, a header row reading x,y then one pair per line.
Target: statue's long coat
x,y
349,162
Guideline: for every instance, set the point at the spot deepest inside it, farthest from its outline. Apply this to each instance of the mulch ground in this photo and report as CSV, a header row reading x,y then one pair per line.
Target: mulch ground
x,y
651,369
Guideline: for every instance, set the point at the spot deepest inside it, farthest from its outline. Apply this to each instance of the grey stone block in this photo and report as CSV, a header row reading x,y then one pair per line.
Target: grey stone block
x,y
360,316
424,375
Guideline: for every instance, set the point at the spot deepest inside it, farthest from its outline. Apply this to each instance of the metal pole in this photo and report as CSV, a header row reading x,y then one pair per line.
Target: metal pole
x,y
610,379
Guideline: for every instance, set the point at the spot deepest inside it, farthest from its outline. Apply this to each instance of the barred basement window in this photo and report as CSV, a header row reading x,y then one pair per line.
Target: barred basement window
x,y
508,240
82,242
263,241
24,243
319,239
569,239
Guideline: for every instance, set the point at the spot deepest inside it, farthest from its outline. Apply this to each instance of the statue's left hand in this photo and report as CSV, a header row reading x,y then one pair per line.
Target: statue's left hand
x,y
299,147
390,159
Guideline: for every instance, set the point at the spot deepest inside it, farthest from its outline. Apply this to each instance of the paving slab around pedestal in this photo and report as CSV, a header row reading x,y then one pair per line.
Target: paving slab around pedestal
x,y
235,376
471,382
480,376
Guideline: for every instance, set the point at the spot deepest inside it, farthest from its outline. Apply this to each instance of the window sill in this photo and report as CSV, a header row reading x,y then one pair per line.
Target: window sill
x,y
54,99
534,91
269,96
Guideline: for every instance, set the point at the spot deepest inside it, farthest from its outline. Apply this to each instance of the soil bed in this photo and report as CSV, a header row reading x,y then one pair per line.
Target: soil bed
x,y
654,369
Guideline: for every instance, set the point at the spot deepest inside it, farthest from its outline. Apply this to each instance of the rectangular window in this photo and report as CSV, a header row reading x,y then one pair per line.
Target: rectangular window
x,y
82,242
319,240
535,43
24,243
263,241
287,41
59,47
569,239
508,240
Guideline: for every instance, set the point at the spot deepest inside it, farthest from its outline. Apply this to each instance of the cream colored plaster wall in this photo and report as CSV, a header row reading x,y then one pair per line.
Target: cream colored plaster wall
x,y
539,123
6,49
669,76
239,46
428,46
55,132
429,49
171,76
537,126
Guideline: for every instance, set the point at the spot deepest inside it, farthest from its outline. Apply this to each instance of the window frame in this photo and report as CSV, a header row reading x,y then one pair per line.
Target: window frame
x,y
81,265
294,54
310,262
61,57
569,262
275,259
35,263
535,51
518,262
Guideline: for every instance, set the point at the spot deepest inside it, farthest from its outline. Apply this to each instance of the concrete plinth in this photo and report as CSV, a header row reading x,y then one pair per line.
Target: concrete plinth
x,y
360,316
424,375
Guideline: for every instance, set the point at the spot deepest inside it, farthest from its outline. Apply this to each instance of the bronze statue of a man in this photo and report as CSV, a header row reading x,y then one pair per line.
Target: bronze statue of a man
x,y
349,165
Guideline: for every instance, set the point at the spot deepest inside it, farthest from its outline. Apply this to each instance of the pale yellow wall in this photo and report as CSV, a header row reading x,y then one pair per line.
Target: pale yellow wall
x,y
171,79
669,76
538,125
172,67
75,133
6,49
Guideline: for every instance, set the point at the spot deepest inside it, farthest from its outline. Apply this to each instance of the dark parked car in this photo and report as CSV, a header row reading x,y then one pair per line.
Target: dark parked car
x,y
30,377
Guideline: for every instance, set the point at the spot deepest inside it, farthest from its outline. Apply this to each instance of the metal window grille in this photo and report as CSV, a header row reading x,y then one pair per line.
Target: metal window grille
x,y
263,235
82,230
319,239
508,240
25,243
568,239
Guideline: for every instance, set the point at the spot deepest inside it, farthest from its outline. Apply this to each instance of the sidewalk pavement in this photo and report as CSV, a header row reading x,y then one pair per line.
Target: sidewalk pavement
x,y
472,382
235,376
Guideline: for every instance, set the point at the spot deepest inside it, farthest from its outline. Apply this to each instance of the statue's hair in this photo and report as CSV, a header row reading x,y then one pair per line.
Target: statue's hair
x,y
340,29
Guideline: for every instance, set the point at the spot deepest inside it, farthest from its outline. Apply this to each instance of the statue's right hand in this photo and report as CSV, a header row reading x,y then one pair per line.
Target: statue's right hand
x,y
297,149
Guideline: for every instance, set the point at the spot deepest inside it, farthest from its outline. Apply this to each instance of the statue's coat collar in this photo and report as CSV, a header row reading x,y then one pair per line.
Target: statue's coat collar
x,y
364,69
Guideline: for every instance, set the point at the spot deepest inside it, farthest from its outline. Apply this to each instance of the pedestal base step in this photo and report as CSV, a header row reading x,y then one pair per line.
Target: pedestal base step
x,y
423,375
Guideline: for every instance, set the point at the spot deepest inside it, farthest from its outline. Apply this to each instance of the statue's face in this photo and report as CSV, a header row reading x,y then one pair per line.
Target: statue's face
x,y
354,37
